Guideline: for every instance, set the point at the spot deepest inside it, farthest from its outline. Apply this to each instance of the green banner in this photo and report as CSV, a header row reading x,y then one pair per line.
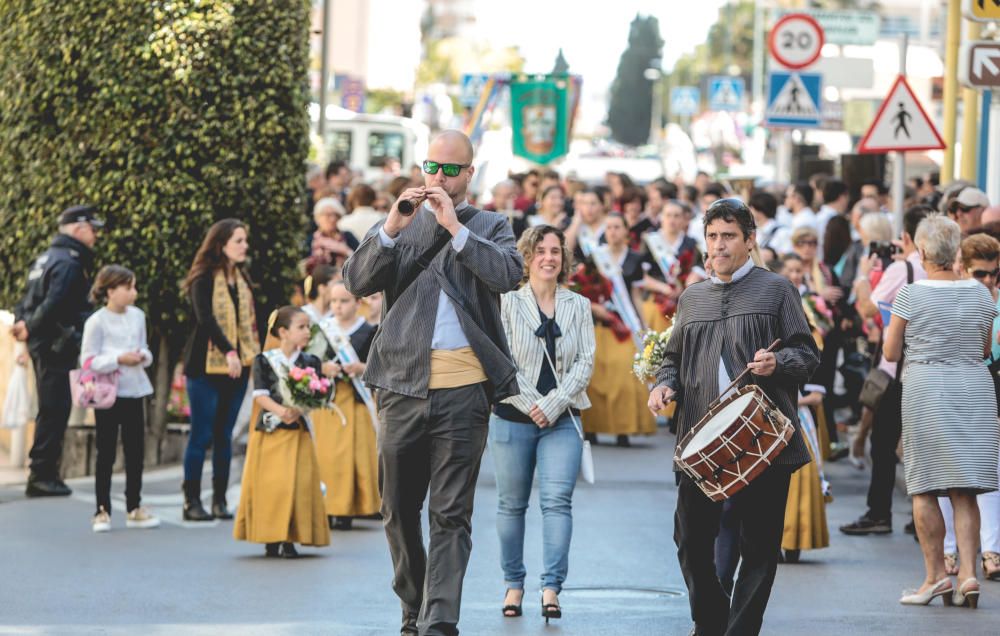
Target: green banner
x,y
540,118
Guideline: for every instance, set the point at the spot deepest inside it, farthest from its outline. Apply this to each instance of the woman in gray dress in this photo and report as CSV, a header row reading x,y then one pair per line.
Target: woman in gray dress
x,y
950,432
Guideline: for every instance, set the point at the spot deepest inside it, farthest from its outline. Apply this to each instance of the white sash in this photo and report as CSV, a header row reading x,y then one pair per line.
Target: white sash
x,y
346,354
620,297
279,364
665,260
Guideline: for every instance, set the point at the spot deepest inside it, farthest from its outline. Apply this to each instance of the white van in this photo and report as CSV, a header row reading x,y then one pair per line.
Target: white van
x,y
364,140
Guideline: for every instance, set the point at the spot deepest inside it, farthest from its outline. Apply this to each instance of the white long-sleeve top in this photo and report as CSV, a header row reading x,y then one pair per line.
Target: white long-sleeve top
x,y
107,335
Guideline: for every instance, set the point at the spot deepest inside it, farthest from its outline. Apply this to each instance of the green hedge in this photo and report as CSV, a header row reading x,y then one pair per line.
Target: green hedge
x,y
169,115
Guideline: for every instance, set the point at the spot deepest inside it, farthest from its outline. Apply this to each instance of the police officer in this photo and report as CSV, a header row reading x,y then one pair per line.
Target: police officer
x,y
50,319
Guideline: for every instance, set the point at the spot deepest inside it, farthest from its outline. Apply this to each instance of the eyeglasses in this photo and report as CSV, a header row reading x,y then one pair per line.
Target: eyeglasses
x,y
980,274
807,242
449,169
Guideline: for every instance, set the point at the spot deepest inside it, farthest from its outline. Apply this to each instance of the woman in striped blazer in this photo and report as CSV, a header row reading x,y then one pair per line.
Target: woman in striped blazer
x,y
539,427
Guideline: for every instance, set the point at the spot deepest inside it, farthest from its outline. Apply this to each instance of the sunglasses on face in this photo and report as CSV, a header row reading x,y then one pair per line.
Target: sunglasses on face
x,y
807,242
980,274
449,169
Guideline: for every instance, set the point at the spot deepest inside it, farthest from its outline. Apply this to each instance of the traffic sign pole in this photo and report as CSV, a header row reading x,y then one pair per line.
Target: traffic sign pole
x,y
899,172
950,97
970,118
984,141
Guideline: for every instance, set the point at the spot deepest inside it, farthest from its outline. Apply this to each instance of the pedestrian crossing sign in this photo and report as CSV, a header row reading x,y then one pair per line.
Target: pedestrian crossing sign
x,y
685,100
901,124
794,99
725,93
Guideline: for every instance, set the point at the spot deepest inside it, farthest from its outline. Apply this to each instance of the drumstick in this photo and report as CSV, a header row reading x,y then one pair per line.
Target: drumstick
x,y
773,346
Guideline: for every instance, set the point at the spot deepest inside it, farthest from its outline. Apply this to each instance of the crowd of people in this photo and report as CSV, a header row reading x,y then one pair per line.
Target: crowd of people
x,y
512,321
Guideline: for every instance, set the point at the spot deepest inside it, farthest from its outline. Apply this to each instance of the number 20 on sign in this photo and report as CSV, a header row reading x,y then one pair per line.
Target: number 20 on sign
x,y
796,41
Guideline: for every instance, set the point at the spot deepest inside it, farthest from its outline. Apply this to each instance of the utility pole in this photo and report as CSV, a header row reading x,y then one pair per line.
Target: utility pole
x,y
324,70
970,117
952,40
899,165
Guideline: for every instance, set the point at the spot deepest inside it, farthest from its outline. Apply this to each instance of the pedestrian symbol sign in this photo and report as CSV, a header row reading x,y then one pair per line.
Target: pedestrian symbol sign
x,y
901,124
794,99
982,10
684,100
725,93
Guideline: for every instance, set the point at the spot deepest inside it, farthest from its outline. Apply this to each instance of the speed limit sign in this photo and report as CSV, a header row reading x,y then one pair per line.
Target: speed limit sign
x,y
796,40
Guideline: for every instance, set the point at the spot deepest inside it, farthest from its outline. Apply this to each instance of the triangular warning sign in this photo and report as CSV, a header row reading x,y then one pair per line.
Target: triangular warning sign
x,y
793,100
901,124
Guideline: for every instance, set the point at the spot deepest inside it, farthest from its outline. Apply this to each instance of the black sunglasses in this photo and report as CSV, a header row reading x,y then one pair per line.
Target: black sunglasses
x,y
449,169
980,274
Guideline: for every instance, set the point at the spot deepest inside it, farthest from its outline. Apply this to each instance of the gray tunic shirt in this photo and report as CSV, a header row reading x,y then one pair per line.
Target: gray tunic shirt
x,y
732,322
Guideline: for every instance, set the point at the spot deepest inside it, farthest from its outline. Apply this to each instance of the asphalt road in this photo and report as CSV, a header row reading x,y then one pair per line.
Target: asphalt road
x,y
57,577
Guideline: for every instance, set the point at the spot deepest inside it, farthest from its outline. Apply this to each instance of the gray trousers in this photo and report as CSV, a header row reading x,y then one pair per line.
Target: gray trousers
x,y
431,444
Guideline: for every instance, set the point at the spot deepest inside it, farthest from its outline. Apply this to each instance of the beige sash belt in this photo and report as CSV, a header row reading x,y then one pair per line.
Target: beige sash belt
x,y
452,369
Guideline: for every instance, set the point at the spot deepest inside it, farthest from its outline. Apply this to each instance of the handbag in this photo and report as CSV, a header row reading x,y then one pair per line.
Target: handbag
x,y
877,382
19,404
586,454
91,389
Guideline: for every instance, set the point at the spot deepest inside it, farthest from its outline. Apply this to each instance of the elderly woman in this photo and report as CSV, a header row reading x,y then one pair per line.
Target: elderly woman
x,y
981,262
329,245
951,439
540,429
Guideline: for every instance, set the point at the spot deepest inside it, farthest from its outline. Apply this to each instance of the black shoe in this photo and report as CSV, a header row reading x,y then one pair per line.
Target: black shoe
x,y
342,523
550,610
219,508
623,441
409,625
46,488
511,610
193,510
288,550
838,451
592,438
910,528
792,556
865,525
272,550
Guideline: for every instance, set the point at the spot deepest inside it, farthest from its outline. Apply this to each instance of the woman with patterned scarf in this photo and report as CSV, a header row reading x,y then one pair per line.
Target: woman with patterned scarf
x,y
217,360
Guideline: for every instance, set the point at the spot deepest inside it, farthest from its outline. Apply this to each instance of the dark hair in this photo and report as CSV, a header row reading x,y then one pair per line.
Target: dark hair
x,y
765,203
631,194
934,178
878,183
282,319
979,247
836,239
666,189
546,191
805,191
685,207
551,174
833,189
210,257
397,185
321,275
715,189
731,210
529,241
791,256
362,195
109,277
690,193
334,167
913,217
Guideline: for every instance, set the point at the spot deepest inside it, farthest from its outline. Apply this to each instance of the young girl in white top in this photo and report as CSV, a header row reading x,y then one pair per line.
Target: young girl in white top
x,y
114,339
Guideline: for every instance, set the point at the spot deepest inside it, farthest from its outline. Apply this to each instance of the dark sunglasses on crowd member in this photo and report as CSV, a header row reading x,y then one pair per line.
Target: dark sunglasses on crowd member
x,y
980,274
809,242
449,169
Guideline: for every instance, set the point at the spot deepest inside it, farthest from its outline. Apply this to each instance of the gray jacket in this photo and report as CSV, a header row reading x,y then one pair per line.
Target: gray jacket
x,y
473,279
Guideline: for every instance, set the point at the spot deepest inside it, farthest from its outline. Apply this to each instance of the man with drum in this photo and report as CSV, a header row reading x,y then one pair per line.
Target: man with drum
x,y
721,324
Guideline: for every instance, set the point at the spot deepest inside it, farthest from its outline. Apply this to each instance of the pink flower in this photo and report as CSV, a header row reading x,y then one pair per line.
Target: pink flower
x,y
315,386
296,373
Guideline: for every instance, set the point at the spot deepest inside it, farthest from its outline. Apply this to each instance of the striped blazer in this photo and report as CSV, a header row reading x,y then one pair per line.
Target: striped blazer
x,y
574,350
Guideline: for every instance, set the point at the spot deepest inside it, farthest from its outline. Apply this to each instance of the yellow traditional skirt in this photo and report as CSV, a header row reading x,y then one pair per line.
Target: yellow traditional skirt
x,y
618,399
347,452
805,510
651,316
280,498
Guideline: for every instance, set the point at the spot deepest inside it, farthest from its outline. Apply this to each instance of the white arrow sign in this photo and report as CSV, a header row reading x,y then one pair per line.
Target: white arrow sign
x,y
979,64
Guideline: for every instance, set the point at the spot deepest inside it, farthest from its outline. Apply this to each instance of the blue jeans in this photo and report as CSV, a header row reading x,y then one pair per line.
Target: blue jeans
x,y
517,450
215,403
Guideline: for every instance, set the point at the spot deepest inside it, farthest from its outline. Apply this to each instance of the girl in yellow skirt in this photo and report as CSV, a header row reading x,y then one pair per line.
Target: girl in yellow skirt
x,y
664,288
345,434
805,509
618,399
281,502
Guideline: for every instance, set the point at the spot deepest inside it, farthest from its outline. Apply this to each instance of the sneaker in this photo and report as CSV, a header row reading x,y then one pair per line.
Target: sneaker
x,y
102,521
866,525
141,518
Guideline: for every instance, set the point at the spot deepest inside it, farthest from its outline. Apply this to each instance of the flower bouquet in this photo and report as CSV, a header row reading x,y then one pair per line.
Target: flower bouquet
x,y
654,347
306,389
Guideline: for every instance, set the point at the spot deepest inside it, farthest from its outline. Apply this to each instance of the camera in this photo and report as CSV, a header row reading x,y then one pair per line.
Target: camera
x,y
884,250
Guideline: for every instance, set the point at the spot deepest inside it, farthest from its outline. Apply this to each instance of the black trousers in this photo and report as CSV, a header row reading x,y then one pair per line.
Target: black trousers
x,y
887,427
760,508
128,415
433,444
54,404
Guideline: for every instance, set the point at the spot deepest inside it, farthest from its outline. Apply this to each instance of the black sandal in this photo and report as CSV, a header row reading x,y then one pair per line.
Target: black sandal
x,y
550,610
515,610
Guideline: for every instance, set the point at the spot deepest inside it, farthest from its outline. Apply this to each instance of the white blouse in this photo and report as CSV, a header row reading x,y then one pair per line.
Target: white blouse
x,y
107,335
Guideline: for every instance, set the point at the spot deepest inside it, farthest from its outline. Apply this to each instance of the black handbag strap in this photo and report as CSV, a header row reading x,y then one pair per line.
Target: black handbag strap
x,y
441,238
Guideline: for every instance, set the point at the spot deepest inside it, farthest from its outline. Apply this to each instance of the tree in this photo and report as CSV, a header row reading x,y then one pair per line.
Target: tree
x,y
631,93
168,116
